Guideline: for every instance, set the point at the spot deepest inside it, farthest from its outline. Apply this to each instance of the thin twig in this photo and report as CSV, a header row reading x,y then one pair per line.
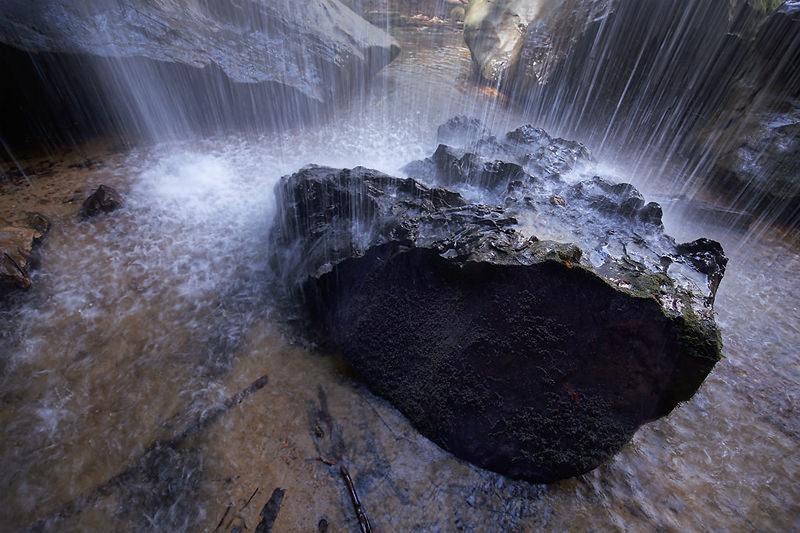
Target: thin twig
x,y
337,446
212,415
227,510
361,514
363,521
16,265
248,501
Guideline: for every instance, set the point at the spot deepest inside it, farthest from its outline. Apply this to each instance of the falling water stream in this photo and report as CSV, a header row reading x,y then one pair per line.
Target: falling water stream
x,y
142,322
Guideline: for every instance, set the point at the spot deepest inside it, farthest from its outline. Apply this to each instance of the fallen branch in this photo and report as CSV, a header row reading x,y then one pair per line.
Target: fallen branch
x,y
249,500
361,514
211,416
337,445
363,521
238,519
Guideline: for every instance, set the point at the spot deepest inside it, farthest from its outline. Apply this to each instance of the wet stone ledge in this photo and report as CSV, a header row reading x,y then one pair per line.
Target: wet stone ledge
x,y
140,70
19,251
523,321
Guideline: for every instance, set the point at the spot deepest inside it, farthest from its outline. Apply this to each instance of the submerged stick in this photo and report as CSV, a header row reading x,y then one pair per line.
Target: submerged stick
x,y
337,445
82,500
361,514
238,518
210,417
363,521
249,500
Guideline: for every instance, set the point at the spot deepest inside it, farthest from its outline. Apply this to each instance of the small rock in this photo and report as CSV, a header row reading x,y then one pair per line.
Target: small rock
x,y
17,252
104,199
461,131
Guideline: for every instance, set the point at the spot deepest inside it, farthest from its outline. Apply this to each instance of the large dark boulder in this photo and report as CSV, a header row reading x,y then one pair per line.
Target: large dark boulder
x,y
153,67
530,330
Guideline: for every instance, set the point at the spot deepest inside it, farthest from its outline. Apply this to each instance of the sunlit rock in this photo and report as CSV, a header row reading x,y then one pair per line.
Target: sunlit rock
x,y
494,32
419,14
528,336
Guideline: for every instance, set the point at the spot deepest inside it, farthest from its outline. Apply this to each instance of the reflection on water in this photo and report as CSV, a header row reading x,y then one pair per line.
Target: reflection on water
x,y
142,321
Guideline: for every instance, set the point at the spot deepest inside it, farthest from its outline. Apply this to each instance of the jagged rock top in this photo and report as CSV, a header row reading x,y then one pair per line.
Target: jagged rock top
x,y
527,212
546,184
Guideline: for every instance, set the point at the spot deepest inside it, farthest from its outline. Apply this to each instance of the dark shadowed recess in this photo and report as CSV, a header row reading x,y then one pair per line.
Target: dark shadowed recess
x,y
56,99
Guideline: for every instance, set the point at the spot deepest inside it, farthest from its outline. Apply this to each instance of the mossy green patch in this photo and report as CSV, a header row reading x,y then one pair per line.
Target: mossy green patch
x,y
764,6
653,283
556,251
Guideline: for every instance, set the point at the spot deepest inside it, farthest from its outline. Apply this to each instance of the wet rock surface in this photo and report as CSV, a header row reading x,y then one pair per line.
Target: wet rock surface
x,y
613,69
752,145
598,68
526,335
104,199
18,251
494,32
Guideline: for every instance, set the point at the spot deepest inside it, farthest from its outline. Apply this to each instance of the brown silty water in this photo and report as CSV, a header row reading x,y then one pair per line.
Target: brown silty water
x,y
121,367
